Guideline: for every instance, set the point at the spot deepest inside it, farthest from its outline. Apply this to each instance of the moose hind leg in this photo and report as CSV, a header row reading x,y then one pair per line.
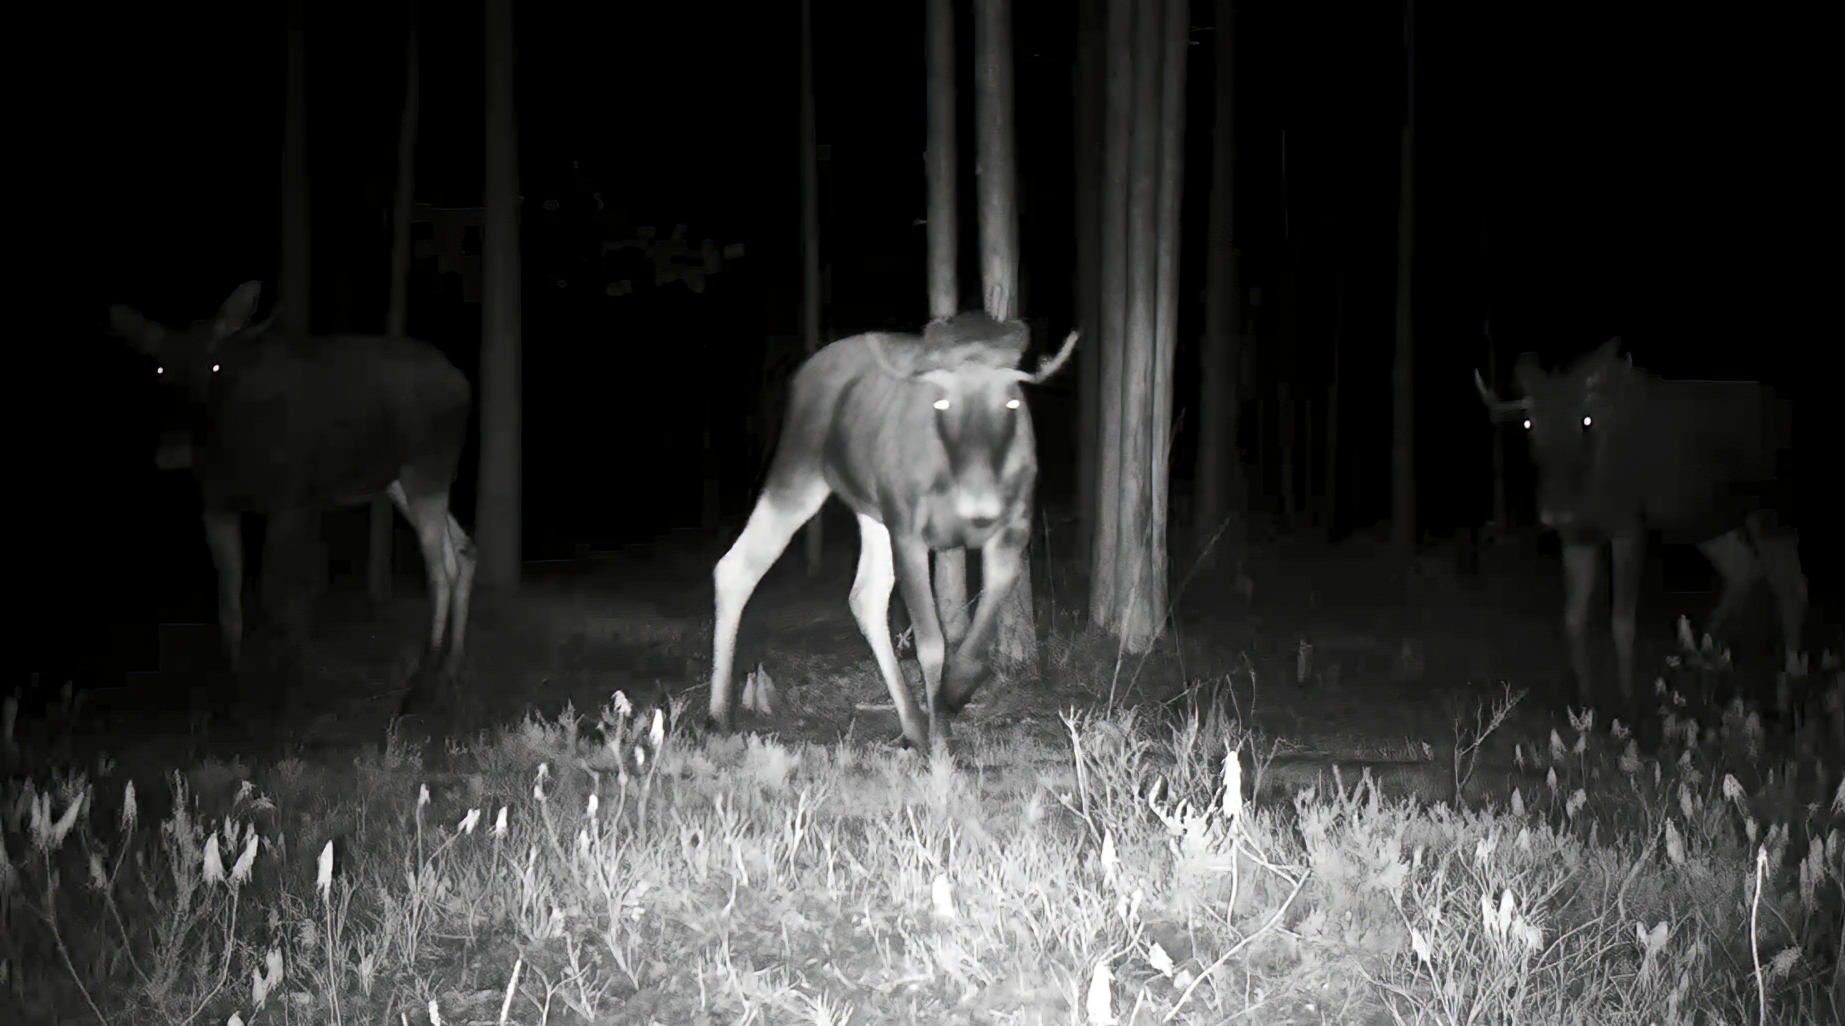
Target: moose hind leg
x,y
428,516
778,514
1738,570
870,603
224,536
461,550
1780,559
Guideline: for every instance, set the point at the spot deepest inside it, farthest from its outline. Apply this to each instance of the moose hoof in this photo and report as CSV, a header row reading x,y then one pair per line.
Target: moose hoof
x,y
416,701
427,691
961,679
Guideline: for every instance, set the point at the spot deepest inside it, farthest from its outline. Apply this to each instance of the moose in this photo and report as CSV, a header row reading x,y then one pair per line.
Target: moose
x,y
1622,454
279,423
928,440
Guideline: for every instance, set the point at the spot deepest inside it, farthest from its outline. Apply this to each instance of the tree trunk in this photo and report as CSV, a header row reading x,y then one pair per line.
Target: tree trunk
x,y
1133,497
294,561
1111,340
1173,45
1501,513
291,307
814,537
1332,402
1090,89
1145,92
497,512
397,318
1218,485
944,284
997,159
1403,424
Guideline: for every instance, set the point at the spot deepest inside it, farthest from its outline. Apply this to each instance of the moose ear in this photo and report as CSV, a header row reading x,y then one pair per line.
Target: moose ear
x,y
1609,352
899,356
238,310
142,334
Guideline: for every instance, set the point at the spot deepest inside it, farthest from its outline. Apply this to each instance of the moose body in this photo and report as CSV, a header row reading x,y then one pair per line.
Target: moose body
x,y
288,425
928,440
1622,455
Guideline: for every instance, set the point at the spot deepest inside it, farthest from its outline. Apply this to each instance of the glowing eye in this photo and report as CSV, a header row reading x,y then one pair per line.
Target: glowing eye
x,y
941,404
1527,423
1012,404
160,370
214,368
1586,421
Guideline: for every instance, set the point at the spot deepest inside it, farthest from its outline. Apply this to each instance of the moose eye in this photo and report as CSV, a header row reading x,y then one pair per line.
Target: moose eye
x,y
1527,423
941,404
1012,404
1587,421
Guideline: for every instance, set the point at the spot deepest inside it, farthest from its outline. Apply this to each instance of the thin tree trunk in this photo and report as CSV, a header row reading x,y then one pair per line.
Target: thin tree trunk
x,y
1090,88
1500,511
1134,579
294,561
497,514
291,309
397,317
1218,479
1111,340
1332,402
944,283
997,158
810,241
1131,533
1173,45
1403,424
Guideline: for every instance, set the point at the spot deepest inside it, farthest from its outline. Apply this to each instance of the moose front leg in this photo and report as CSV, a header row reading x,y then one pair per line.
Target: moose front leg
x,y
969,665
1581,566
1626,558
871,608
912,556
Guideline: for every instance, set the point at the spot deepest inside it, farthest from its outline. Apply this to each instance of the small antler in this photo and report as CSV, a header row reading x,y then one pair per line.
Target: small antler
x,y
1501,409
1052,364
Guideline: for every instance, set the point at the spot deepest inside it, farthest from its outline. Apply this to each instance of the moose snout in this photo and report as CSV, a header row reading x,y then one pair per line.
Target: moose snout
x,y
979,509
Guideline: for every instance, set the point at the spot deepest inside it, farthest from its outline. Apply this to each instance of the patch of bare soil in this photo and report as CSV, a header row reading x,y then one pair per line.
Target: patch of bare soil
x,y
1327,649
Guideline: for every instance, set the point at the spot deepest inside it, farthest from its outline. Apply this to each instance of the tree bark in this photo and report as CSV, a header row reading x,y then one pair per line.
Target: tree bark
x,y
1403,382
1218,486
1130,594
397,317
497,513
1111,340
814,537
1090,90
996,155
944,240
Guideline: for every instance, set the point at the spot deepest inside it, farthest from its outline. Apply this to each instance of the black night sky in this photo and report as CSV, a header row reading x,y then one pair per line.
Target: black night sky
x,y
1584,170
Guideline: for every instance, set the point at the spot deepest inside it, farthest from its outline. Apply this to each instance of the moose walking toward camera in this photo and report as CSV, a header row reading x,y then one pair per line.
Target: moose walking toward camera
x,y
1621,454
928,440
288,425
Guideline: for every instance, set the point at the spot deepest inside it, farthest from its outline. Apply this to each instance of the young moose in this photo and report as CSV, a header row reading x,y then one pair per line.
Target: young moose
x,y
928,440
288,425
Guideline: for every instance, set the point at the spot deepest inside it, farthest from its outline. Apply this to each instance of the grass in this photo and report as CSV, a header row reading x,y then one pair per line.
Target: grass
x,y
622,871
